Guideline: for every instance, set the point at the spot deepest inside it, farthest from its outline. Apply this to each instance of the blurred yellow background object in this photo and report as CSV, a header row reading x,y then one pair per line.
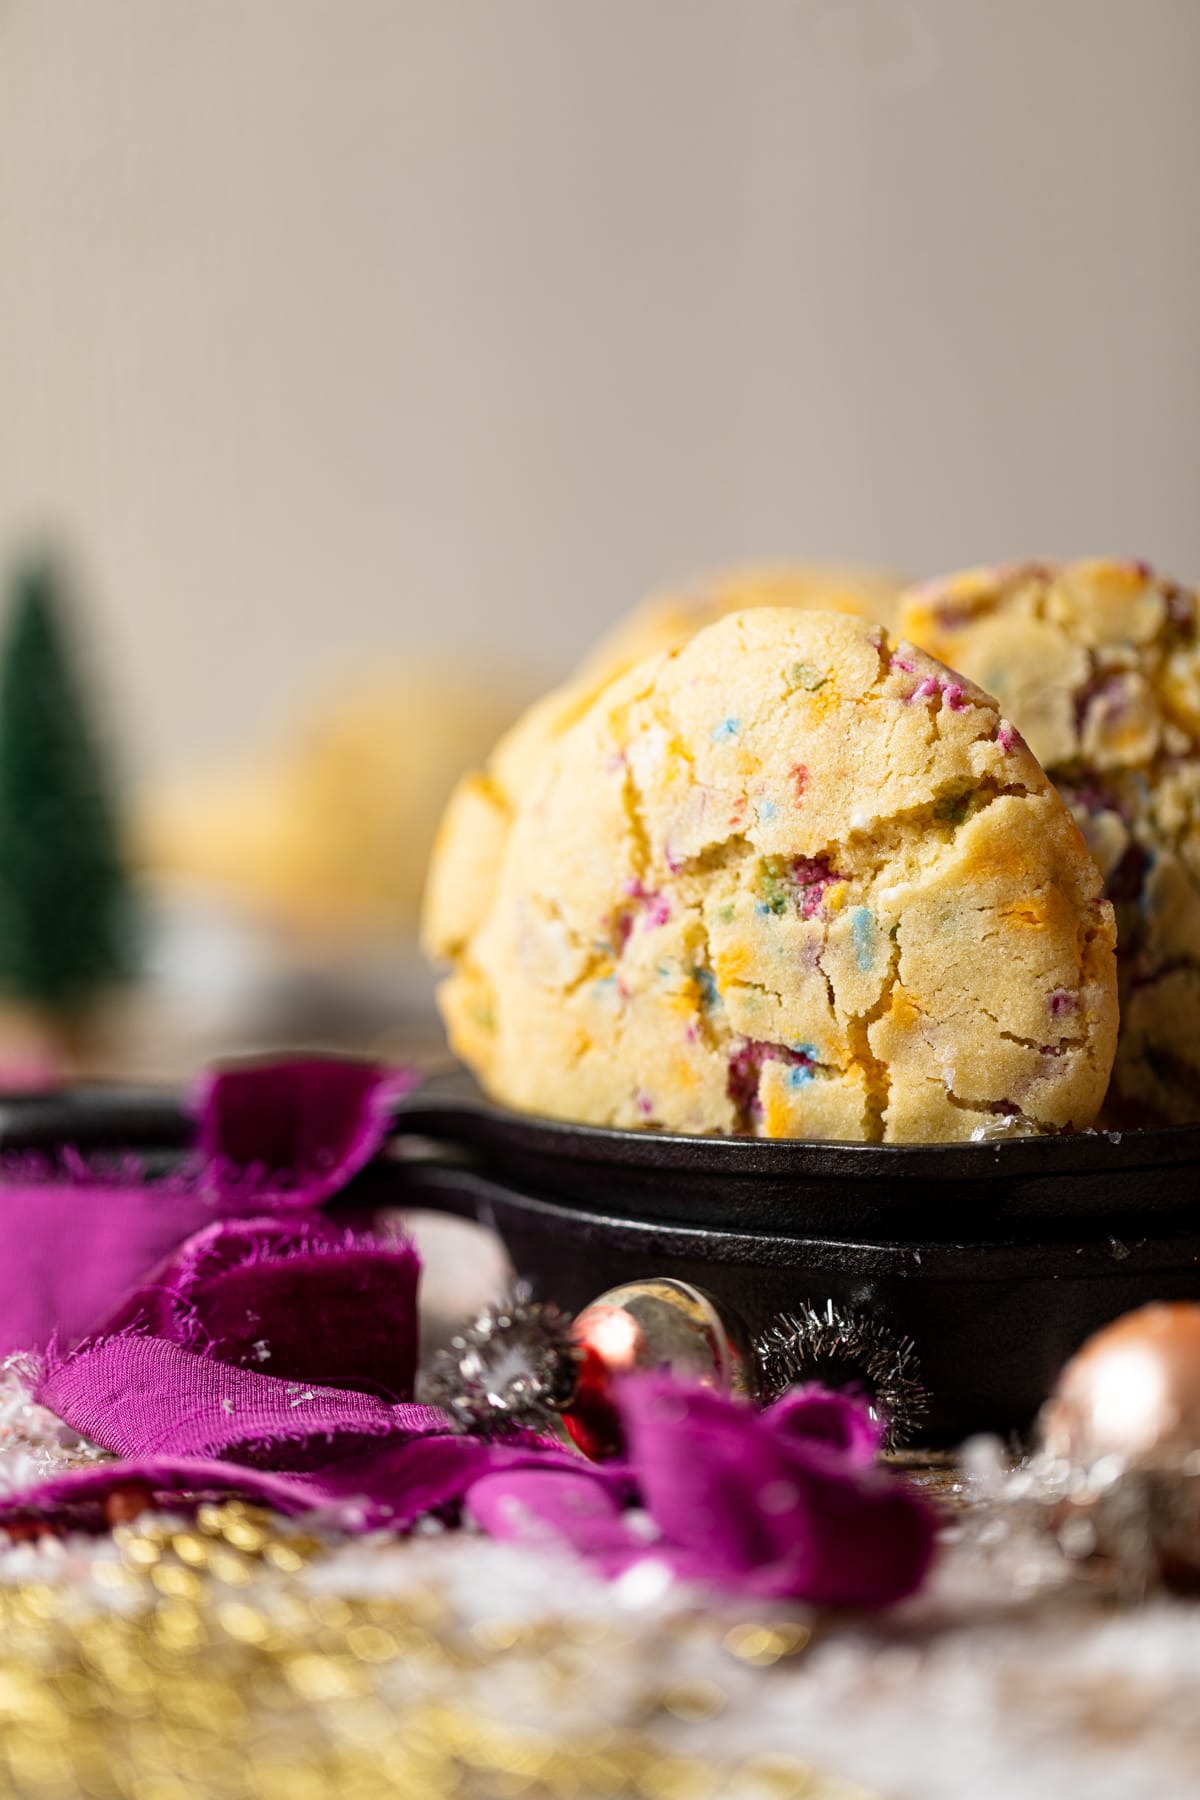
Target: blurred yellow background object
x,y
331,832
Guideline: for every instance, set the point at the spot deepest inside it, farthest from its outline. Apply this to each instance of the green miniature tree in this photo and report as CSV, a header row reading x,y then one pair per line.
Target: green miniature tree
x,y
63,890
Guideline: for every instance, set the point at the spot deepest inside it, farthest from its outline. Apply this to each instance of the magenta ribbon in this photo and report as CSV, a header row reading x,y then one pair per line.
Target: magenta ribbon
x,y
270,1137
273,1357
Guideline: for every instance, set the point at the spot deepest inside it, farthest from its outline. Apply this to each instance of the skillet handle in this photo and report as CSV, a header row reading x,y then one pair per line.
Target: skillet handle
x,y
99,1116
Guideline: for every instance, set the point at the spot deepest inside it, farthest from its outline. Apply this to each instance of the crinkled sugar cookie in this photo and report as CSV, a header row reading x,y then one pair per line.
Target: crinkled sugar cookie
x,y
792,881
474,829
666,621
1098,663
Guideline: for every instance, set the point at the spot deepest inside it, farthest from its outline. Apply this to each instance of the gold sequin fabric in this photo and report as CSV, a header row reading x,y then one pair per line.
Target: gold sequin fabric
x,y
215,1658
235,1655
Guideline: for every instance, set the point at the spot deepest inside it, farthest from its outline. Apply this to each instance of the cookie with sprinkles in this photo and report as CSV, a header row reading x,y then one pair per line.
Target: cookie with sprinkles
x,y
470,842
790,880
665,621
1098,664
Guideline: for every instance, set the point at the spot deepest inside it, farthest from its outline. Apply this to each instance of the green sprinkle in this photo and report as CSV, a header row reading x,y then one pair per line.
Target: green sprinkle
x,y
773,885
806,677
954,810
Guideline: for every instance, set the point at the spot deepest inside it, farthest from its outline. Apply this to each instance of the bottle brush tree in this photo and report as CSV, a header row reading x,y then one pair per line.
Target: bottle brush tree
x,y
63,889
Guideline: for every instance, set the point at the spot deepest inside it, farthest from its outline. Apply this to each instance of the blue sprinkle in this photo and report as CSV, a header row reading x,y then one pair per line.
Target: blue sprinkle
x,y
808,1051
762,907
728,728
709,992
862,930
767,810
799,1075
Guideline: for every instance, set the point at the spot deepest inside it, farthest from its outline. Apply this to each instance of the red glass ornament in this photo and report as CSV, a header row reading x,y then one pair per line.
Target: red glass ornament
x,y
643,1327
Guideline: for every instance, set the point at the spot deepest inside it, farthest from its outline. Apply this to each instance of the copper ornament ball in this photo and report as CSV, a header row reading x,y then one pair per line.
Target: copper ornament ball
x,y
1131,1392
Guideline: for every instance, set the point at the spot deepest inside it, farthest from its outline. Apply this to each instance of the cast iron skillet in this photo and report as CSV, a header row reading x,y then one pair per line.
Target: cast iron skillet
x,y
997,1259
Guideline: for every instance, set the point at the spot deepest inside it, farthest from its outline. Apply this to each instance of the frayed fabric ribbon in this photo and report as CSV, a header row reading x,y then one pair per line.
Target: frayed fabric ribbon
x,y
784,1503
177,1387
270,1138
273,1357
787,1503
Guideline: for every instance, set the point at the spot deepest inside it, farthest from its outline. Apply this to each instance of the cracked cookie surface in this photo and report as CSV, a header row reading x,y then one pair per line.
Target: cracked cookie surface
x,y
1098,664
465,864
792,881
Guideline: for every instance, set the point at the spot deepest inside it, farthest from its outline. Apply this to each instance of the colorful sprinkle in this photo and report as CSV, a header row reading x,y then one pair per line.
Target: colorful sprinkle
x,y
728,728
806,677
650,908
774,885
746,1067
814,877
704,979
954,698
767,810
799,775
862,931
954,809
1062,1002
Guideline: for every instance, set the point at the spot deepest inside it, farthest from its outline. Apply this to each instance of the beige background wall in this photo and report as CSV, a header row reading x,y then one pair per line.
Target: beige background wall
x,y
330,326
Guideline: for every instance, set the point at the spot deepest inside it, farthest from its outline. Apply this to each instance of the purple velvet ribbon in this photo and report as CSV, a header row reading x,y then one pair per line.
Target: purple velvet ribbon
x,y
269,1137
787,1503
273,1357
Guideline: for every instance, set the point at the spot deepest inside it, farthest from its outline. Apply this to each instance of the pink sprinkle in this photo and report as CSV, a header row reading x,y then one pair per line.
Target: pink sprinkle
x,y
954,697
813,876
1061,1002
924,690
1005,736
745,1072
799,779
645,1105
673,864
902,662
650,906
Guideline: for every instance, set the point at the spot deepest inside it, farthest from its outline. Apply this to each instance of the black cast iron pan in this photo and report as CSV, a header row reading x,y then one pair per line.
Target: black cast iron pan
x,y
997,1259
